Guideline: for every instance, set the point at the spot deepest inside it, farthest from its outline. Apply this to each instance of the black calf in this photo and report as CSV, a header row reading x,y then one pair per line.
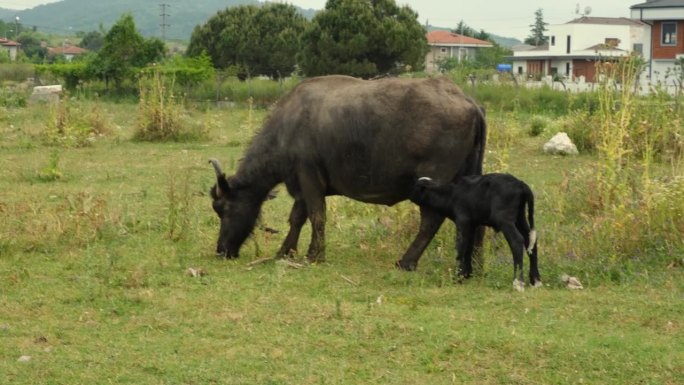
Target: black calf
x,y
494,200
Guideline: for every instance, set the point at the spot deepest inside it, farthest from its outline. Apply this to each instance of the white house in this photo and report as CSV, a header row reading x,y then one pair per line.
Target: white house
x,y
574,47
11,47
445,45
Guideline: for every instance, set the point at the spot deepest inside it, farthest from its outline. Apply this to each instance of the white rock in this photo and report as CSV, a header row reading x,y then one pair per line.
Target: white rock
x,y
571,283
560,144
24,359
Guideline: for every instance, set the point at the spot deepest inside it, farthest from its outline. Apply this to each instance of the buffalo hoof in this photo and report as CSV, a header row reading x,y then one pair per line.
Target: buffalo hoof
x,y
401,265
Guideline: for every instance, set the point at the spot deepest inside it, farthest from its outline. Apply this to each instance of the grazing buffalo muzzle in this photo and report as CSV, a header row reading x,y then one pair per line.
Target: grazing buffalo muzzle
x,y
366,140
495,200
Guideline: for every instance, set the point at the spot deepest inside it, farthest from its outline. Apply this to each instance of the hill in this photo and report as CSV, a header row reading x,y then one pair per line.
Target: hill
x,y
70,16
67,17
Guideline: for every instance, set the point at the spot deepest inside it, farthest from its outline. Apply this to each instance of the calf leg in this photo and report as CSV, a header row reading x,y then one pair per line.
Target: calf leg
x,y
430,221
465,240
524,229
516,243
297,219
535,278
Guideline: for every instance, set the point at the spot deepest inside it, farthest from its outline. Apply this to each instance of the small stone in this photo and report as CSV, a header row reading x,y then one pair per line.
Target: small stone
x,y
24,359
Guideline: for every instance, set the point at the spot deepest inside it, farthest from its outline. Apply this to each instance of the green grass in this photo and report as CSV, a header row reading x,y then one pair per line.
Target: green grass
x,y
94,286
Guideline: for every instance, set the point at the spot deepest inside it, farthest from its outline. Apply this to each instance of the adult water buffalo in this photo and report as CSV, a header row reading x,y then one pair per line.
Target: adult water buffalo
x,y
366,140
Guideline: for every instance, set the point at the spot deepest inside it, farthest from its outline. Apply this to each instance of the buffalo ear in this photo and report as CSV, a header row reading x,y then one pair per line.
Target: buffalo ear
x,y
222,187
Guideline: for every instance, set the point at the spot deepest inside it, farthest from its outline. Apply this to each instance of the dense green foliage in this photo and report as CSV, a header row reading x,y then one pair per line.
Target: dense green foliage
x,y
32,48
363,38
260,40
92,41
124,50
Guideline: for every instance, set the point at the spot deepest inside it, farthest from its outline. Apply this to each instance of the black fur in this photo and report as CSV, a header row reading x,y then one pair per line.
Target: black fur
x,y
494,200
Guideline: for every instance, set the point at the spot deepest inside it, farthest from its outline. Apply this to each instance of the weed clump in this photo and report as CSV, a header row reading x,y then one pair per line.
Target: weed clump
x,y
74,124
537,125
626,212
160,114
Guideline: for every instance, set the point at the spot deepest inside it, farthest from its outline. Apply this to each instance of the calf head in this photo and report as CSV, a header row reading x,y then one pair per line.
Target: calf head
x,y
237,210
430,193
421,190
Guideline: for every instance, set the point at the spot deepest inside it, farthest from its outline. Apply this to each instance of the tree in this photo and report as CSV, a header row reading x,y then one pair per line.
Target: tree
x,y
92,41
124,51
463,29
32,48
537,29
261,40
363,38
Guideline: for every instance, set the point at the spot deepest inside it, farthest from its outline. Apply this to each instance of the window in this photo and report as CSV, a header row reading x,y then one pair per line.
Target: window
x,y
668,34
567,48
612,41
553,40
520,70
443,50
638,49
567,69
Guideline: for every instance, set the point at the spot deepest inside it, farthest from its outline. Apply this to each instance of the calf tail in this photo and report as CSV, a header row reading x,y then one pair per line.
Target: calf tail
x,y
529,197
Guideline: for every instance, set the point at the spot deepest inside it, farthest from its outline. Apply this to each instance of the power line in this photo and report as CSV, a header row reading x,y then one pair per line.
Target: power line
x,y
164,15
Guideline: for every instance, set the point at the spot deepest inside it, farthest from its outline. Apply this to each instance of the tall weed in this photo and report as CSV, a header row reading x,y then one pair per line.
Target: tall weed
x,y
161,116
74,124
626,212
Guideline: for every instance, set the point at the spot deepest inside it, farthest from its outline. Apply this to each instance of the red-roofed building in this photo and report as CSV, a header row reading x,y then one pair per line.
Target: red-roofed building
x,y
68,51
11,47
445,44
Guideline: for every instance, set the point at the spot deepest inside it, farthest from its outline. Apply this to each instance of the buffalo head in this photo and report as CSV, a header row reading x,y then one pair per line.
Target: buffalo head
x,y
237,208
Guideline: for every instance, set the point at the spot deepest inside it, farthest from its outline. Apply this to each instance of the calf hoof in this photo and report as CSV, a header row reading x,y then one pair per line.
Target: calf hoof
x,y
518,285
401,265
537,284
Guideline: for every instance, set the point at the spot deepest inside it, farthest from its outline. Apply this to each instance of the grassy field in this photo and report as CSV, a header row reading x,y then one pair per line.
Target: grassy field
x,y
96,243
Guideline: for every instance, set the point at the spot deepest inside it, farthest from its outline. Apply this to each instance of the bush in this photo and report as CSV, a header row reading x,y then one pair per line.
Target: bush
x,y
581,127
537,125
12,98
74,124
160,115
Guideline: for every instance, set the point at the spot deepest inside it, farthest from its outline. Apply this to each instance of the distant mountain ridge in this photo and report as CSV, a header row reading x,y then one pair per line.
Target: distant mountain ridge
x,y
67,17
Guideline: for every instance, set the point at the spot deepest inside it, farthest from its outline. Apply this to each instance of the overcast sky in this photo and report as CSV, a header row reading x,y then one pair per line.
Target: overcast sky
x,y
508,18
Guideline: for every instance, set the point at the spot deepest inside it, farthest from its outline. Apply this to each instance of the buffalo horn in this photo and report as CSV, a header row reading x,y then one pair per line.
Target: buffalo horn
x,y
219,175
217,167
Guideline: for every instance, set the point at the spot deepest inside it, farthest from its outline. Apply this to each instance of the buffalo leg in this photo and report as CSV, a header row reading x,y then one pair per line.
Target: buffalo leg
x,y
465,241
430,221
516,243
297,219
313,193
